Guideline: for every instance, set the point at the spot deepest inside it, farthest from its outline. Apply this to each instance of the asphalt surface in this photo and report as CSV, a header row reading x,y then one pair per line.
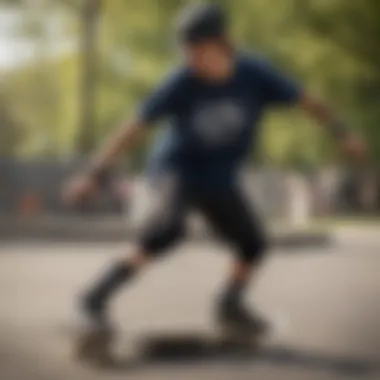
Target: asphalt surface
x,y
326,303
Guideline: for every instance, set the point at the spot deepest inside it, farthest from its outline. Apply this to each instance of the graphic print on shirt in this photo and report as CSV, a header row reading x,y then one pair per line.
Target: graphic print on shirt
x,y
218,122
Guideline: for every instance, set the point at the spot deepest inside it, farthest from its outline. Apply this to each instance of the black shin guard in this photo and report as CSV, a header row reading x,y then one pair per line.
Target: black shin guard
x,y
232,294
108,284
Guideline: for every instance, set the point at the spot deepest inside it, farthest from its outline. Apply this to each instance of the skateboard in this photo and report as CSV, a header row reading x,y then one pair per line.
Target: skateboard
x,y
99,349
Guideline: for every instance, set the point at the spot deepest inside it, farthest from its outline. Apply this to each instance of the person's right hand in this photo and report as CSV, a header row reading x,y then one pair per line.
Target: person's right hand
x,y
79,188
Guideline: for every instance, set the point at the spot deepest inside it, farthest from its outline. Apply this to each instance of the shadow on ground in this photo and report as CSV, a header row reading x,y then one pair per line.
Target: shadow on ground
x,y
189,350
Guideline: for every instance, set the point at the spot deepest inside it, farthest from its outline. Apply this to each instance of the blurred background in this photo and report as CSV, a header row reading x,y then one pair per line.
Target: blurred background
x,y
71,70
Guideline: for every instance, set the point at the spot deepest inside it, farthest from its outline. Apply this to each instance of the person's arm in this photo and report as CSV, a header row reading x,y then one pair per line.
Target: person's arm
x,y
278,89
97,174
124,138
161,103
351,143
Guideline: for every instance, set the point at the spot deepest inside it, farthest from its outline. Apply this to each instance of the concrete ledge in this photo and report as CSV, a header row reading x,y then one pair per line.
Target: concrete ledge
x,y
76,229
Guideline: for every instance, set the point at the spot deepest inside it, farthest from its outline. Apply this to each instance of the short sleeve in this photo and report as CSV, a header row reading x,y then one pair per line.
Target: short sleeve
x,y
277,88
163,101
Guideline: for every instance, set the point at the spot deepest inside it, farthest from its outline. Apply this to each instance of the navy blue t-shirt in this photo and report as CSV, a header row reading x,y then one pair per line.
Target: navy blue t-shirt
x,y
212,127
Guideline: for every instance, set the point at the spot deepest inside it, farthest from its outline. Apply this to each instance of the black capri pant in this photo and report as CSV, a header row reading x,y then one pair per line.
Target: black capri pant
x,y
225,210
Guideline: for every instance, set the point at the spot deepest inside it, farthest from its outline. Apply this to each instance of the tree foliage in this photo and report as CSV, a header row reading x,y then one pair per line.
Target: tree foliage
x,y
329,45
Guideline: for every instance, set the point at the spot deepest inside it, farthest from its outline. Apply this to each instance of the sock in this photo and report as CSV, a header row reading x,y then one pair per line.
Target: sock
x,y
108,284
233,293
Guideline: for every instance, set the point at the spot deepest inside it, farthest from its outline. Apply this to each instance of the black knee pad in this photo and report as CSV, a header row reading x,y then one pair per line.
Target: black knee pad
x,y
160,238
253,250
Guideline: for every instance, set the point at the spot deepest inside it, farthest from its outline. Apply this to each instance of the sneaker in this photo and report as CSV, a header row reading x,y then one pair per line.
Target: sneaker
x,y
95,336
239,321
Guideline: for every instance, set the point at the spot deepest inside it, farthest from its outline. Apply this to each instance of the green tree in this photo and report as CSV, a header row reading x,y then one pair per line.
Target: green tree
x,y
353,29
330,46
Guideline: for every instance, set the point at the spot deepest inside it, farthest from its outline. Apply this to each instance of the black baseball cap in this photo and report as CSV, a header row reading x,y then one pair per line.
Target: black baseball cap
x,y
201,22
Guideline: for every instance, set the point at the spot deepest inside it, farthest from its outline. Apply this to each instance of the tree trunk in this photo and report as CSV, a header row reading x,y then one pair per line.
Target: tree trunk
x,y
87,122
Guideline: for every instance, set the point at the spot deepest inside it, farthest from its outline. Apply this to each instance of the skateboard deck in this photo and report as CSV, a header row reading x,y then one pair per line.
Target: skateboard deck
x,y
165,346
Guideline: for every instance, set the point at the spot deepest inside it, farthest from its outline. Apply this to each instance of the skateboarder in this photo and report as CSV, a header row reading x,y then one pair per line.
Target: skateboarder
x,y
213,103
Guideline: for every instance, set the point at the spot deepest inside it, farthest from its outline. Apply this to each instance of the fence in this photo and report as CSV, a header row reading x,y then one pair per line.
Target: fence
x,y
34,187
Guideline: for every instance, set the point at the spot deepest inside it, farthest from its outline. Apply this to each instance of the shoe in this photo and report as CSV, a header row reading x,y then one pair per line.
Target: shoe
x,y
96,335
237,321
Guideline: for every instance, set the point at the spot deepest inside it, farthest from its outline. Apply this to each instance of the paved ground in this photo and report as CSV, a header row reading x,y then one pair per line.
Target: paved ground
x,y
328,301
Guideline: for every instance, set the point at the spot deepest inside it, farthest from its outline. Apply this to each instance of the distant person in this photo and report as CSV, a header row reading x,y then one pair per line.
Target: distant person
x,y
213,102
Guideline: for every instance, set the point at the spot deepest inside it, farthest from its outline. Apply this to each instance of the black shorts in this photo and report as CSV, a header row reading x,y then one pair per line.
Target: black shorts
x,y
227,211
